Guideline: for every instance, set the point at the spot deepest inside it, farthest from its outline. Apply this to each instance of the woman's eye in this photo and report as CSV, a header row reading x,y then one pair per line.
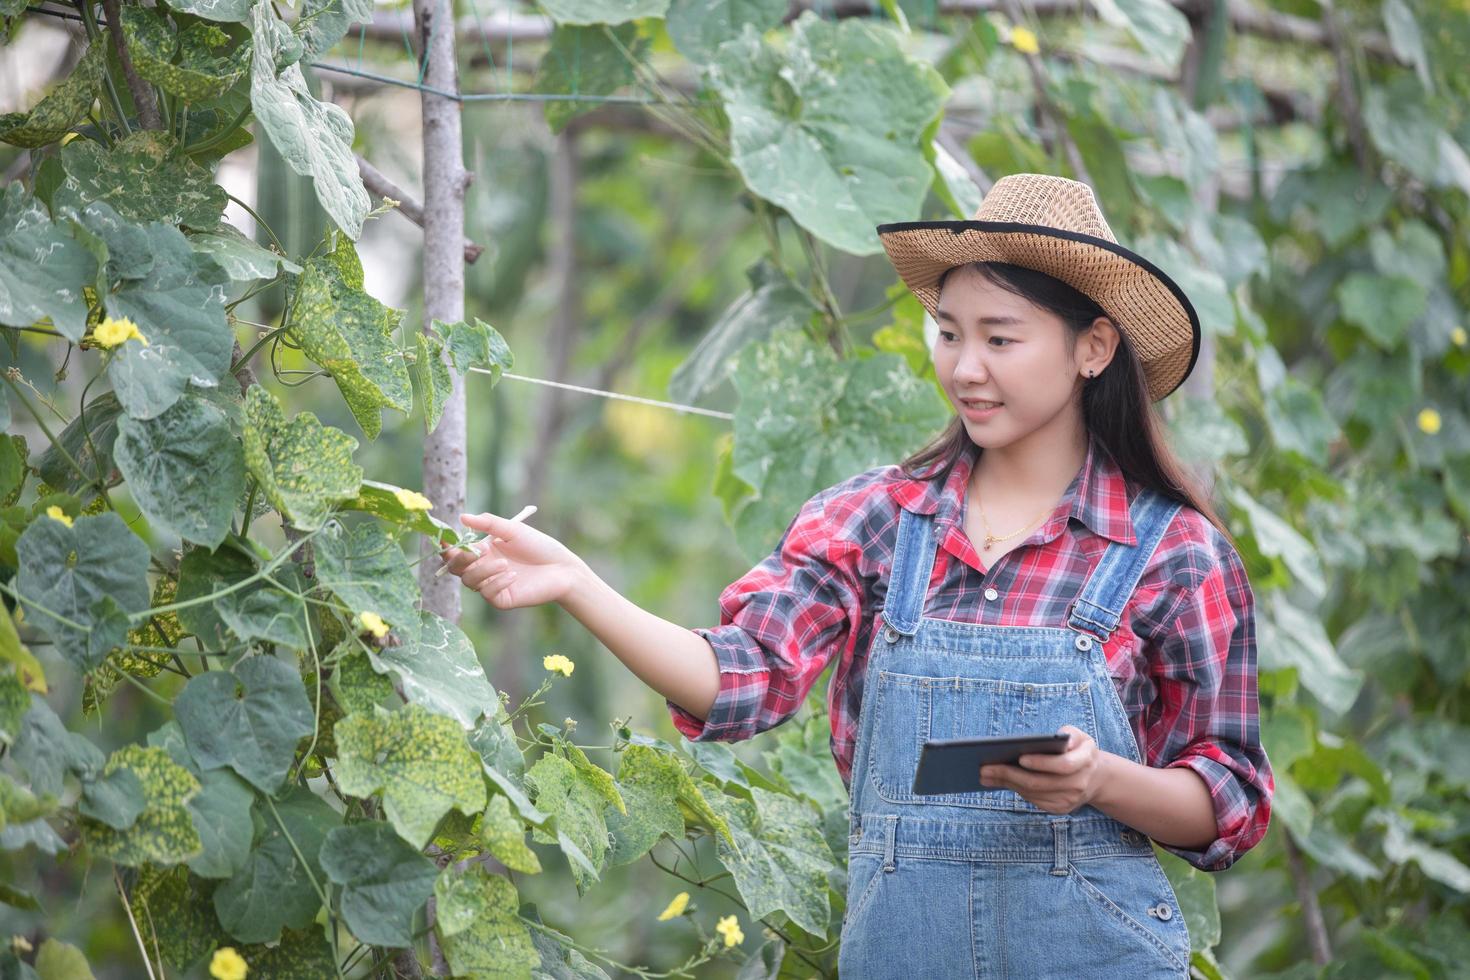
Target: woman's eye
x,y
947,337
1004,340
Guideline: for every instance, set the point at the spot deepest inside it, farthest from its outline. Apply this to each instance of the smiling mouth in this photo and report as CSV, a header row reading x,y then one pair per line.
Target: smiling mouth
x,y
980,405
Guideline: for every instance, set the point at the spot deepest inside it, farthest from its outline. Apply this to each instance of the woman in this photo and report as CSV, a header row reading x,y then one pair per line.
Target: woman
x,y
1124,618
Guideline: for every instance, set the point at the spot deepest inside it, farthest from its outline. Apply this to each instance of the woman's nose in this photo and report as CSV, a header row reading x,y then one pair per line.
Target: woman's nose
x,y
972,367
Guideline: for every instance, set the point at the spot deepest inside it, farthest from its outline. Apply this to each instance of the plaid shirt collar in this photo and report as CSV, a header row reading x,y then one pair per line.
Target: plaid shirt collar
x,y
1097,496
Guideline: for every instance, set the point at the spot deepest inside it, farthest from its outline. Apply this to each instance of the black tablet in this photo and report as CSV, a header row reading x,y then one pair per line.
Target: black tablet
x,y
952,765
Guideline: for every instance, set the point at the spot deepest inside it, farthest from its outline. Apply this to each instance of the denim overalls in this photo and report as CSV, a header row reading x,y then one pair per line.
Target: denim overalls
x,y
984,884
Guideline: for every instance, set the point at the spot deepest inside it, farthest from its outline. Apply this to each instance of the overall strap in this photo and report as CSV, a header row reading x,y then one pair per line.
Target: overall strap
x,y
908,581
1099,607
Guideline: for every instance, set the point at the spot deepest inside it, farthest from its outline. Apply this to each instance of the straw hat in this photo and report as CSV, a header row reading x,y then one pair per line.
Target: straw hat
x,y
1054,225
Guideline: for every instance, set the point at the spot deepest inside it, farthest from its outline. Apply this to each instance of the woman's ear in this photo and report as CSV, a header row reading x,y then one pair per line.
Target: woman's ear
x,y
1096,346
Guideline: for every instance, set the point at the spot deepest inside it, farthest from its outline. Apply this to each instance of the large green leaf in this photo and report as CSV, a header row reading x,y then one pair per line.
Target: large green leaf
x,y
475,343
699,27
809,420
143,177
433,385
780,860
46,751
1299,421
242,259
178,906
315,138
1278,539
1157,25
1383,306
183,469
382,500
303,467
585,61
195,64
221,811
257,611
772,303
42,269
70,570
1402,126
65,105
164,832
225,11
504,835
1293,637
115,799
384,881
649,781
419,762
573,797
603,11
437,668
302,954
350,334
179,309
249,719
831,128
367,570
479,925
274,888
323,23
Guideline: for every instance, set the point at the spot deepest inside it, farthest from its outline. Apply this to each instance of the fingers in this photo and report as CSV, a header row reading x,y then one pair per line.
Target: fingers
x,y
483,570
493,524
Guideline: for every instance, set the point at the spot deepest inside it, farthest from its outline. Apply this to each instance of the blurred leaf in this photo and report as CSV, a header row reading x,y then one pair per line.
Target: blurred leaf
x,y
699,27
1158,27
1195,890
585,61
63,107
1292,637
384,881
603,11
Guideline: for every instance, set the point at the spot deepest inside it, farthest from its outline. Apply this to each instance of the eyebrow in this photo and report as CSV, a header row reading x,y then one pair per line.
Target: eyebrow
x,y
989,321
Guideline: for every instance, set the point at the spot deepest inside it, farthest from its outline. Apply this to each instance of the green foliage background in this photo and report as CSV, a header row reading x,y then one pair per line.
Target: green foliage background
x,y
201,737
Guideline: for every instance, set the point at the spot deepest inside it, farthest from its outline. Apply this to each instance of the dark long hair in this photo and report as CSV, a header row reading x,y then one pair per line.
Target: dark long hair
x,y
1116,408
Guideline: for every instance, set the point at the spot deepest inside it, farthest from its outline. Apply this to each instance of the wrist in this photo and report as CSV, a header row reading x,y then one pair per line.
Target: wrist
x,y
582,582
1105,779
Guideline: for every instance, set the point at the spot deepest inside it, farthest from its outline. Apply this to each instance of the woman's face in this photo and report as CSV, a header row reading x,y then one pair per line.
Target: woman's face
x,y
994,346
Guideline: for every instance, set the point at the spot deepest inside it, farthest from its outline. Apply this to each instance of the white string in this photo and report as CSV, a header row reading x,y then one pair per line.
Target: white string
x,y
674,406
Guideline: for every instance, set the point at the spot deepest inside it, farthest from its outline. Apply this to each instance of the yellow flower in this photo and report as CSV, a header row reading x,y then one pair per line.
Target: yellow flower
x,y
373,623
110,332
1023,39
413,500
676,907
1429,421
1459,336
227,964
559,664
21,944
57,514
729,927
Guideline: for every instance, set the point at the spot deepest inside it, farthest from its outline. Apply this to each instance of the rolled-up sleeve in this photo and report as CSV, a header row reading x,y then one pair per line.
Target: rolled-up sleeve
x,y
1206,715
780,625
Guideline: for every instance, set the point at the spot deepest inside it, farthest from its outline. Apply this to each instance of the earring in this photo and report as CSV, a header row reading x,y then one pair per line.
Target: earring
x,y
1091,373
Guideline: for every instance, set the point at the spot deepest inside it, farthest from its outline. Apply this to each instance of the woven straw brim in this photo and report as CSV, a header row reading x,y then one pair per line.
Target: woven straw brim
x,y
1146,304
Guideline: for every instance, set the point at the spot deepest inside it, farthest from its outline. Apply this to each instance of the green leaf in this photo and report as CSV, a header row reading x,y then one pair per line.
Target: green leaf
x,y
350,334
225,11
437,667
603,11
143,178
357,687
42,269
585,61
116,799
1383,306
1201,432
274,888
559,961
504,835
303,467
476,344
381,500
831,128
649,781
19,805
1407,40
187,64
384,881
1159,28
47,751
300,955
67,570
699,27
15,700
419,762
315,138
249,719
575,800
242,259
501,758
1299,421
780,859
1277,539
178,905
1401,126
772,303
164,832
322,23
88,440
56,960
253,612
367,570
480,927
179,309
432,383
183,468
1293,637
64,106
808,420
1400,847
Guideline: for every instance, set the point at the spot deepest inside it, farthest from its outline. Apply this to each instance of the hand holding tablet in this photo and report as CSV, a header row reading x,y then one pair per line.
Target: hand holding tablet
x,y
952,765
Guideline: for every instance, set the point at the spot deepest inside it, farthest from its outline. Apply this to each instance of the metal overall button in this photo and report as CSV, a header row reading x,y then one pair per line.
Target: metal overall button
x,y
1083,642
1132,837
1161,911
890,634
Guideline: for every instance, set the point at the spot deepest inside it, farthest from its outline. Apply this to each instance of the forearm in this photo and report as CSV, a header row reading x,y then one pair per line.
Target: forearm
x,y
1173,805
676,662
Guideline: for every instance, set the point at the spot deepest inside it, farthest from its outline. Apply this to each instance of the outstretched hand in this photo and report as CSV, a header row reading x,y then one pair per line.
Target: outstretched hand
x,y
516,565
1056,783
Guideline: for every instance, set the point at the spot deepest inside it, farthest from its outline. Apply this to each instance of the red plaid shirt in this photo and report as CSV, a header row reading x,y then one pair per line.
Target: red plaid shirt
x,y
1183,658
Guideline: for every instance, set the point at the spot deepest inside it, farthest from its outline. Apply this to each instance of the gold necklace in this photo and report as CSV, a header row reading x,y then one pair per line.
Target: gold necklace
x,y
991,538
